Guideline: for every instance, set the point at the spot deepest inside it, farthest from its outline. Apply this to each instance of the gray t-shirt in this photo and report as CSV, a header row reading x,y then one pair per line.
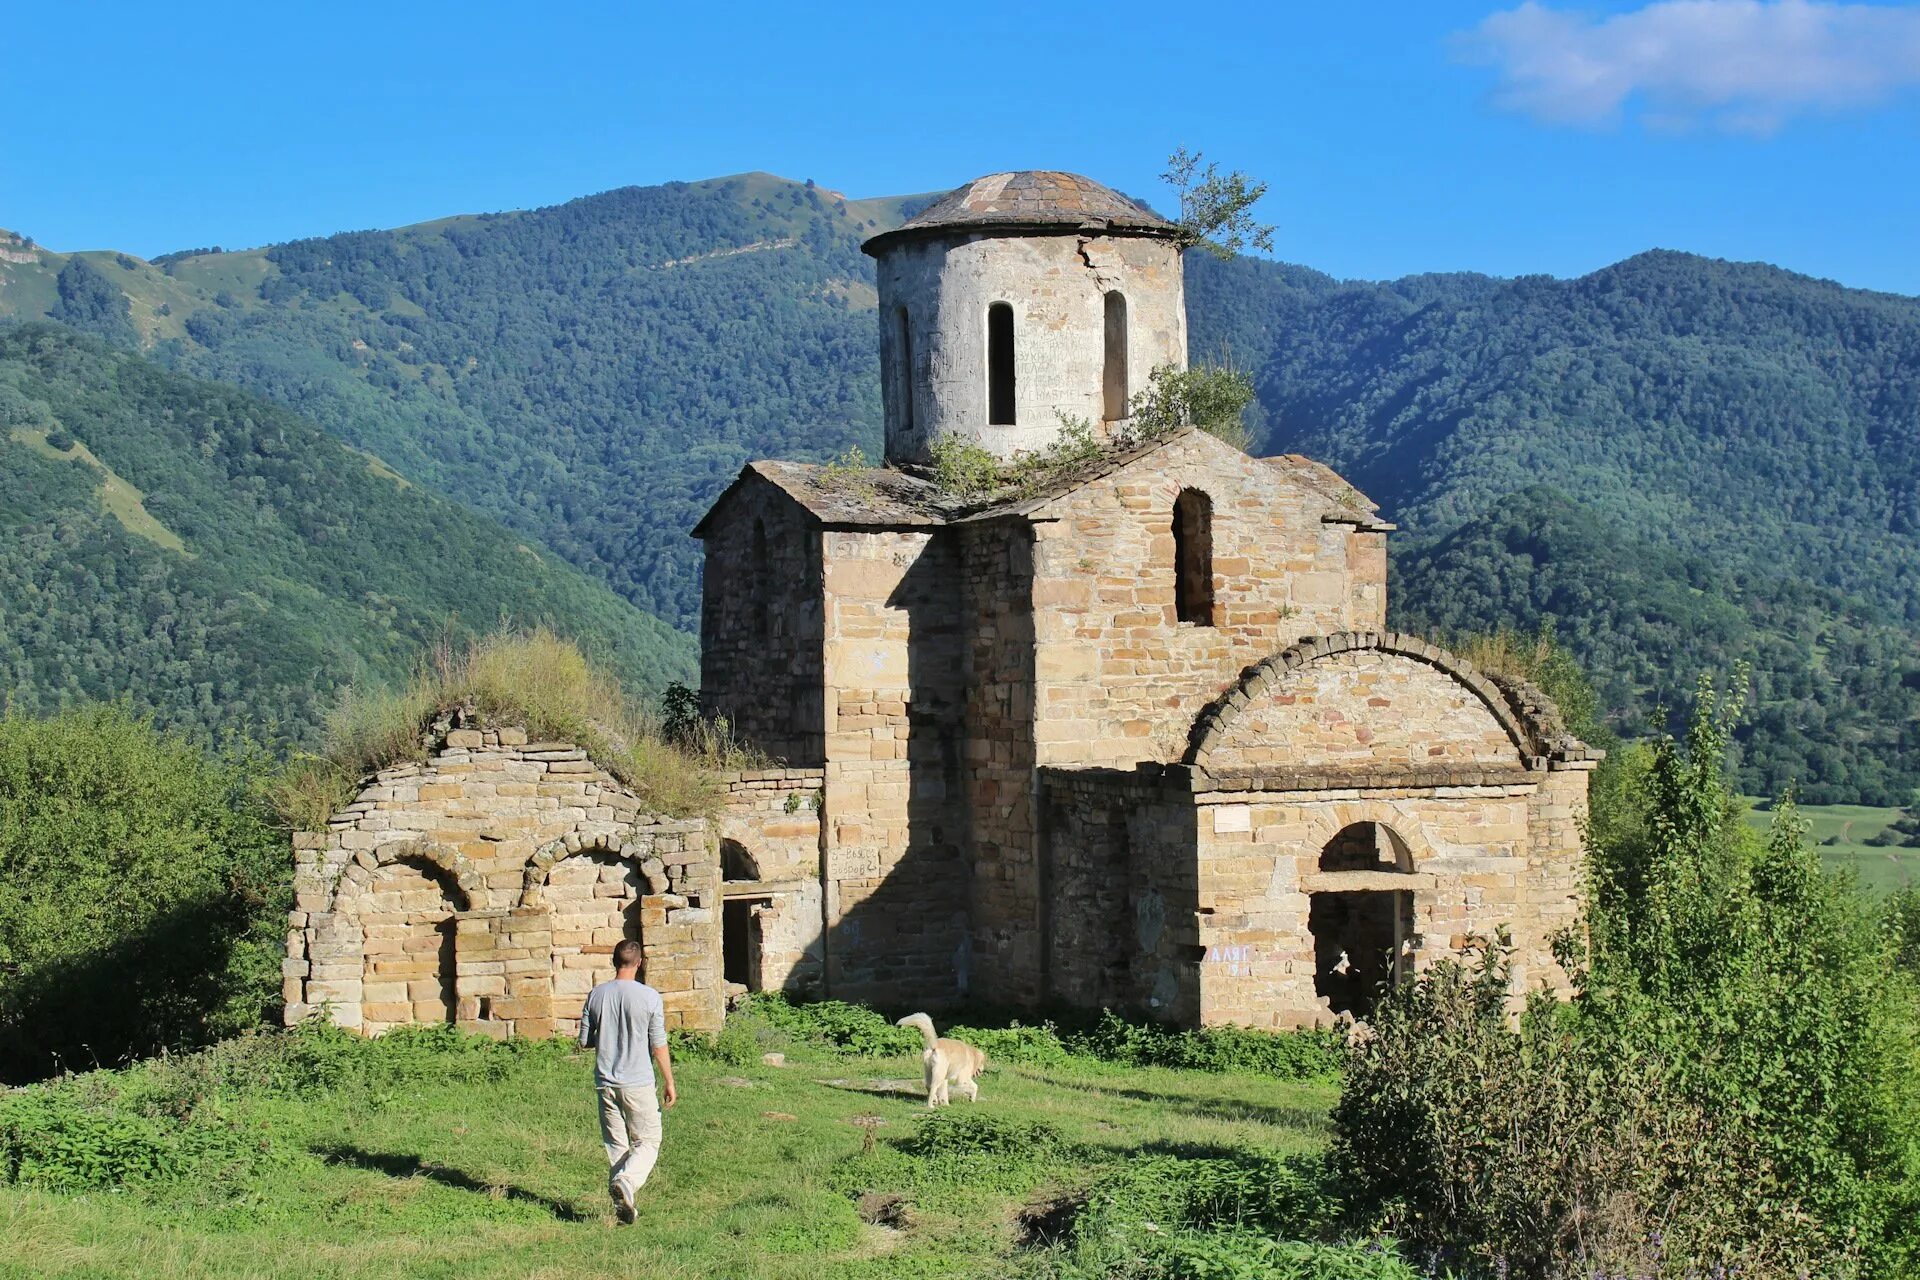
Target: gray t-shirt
x,y
622,1021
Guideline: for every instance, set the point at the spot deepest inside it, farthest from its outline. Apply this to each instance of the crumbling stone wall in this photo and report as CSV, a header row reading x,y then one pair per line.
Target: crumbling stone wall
x,y
773,819
488,886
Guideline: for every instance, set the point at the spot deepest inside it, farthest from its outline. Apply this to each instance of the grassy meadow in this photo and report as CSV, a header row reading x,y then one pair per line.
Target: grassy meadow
x,y
476,1160
1881,868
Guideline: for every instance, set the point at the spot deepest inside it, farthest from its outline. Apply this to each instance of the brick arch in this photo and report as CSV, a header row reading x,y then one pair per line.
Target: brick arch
x,y
360,872
541,864
1210,728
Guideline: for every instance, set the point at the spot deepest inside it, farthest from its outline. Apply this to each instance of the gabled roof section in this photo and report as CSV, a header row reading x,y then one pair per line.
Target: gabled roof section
x,y
840,497
844,497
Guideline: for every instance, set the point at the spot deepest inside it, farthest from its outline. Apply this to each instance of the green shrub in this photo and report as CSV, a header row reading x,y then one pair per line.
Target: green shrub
x,y
1290,1055
1734,1085
52,1139
836,1025
1213,398
970,1132
1039,1046
143,893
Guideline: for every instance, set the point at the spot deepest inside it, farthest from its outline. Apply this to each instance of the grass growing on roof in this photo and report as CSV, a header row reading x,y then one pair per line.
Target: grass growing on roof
x,y
532,679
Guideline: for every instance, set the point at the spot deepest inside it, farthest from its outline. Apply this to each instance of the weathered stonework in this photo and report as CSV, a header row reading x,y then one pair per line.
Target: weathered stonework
x,y
488,885
1060,756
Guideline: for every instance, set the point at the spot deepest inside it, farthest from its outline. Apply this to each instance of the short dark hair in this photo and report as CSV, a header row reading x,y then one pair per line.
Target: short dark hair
x,y
626,955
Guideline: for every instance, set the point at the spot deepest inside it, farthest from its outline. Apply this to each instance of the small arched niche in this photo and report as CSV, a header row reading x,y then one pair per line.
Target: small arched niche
x,y
406,916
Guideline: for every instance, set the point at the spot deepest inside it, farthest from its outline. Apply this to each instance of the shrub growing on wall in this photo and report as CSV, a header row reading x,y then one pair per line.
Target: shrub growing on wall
x,y
143,893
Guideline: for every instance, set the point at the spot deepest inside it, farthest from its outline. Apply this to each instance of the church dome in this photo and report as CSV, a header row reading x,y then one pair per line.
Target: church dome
x,y
1043,200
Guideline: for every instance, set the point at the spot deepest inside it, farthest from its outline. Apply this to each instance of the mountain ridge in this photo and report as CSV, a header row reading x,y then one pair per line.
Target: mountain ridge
x,y
539,367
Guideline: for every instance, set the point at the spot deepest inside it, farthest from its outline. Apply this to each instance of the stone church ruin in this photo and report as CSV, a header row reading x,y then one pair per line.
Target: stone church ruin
x,y
1135,737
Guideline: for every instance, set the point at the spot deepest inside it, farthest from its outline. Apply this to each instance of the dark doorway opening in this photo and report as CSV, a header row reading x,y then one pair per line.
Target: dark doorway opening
x,y
1358,940
740,942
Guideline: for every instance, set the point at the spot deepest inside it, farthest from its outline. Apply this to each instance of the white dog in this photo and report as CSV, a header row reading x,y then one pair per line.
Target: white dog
x,y
949,1062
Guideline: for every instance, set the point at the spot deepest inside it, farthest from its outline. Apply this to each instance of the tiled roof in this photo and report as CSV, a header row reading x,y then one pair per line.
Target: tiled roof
x,y
1031,199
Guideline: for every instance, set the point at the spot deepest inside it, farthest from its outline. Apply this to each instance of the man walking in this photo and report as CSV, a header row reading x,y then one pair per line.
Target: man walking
x,y
625,1024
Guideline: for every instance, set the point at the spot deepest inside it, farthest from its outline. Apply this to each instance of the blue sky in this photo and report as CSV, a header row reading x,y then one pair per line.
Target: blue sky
x,y
1398,138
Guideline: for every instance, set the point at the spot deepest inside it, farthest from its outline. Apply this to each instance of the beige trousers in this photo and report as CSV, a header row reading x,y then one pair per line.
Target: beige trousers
x,y
630,1127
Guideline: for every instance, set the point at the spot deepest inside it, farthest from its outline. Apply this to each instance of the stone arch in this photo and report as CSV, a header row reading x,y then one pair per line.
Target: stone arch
x,y
1331,819
540,865
450,863
1210,728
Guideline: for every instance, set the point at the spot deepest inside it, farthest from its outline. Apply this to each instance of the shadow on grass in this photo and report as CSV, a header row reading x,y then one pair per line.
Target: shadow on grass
x,y
397,1165
912,1090
1311,1119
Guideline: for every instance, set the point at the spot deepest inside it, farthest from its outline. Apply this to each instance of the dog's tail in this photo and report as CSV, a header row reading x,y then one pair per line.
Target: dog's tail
x,y
923,1022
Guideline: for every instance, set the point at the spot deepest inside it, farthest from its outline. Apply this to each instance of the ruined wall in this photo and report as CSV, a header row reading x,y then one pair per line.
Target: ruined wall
x,y
773,817
893,845
1364,708
1057,287
761,624
488,886
1118,679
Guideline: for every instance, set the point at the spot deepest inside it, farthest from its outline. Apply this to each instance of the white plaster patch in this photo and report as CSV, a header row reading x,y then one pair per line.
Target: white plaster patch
x,y
1232,817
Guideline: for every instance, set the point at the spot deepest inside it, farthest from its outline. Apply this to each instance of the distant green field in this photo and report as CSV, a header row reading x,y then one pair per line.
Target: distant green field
x,y
1882,869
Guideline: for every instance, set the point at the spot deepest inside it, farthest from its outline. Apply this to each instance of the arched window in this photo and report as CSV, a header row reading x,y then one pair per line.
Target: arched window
x,y
762,581
1114,384
1193,557
903,372
1000,364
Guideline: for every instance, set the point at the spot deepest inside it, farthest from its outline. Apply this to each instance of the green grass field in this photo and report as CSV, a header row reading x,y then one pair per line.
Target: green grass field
x,y
763,1174
1881,869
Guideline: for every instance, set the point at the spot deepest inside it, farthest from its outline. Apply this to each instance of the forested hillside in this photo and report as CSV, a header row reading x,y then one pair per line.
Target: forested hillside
x,y
226,565
1684,463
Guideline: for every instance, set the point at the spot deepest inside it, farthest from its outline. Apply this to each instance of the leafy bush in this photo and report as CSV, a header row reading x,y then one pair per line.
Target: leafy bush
x,y
970,1132
143,893
1733,1087
1290,1055
1039,1046
1901,917
1213,398
836,1025
51,1139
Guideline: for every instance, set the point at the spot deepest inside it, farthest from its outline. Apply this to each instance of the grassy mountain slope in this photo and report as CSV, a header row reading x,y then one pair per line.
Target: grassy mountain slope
x,y
593,373
227,565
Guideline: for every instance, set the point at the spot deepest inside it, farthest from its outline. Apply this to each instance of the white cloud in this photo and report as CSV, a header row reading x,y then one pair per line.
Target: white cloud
x,y
1740,65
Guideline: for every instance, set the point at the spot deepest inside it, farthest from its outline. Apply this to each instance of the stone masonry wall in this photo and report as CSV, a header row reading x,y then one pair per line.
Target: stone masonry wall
x,y
773,815
1057,287
895,881
761,625
488,886
1364,709
1117,679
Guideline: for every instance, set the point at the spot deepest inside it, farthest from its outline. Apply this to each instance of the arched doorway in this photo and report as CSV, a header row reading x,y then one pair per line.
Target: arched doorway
x,y
406,917
1362,936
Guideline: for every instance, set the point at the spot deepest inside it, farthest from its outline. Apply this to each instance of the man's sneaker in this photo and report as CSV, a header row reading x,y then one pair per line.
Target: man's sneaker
x,y
623,1205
